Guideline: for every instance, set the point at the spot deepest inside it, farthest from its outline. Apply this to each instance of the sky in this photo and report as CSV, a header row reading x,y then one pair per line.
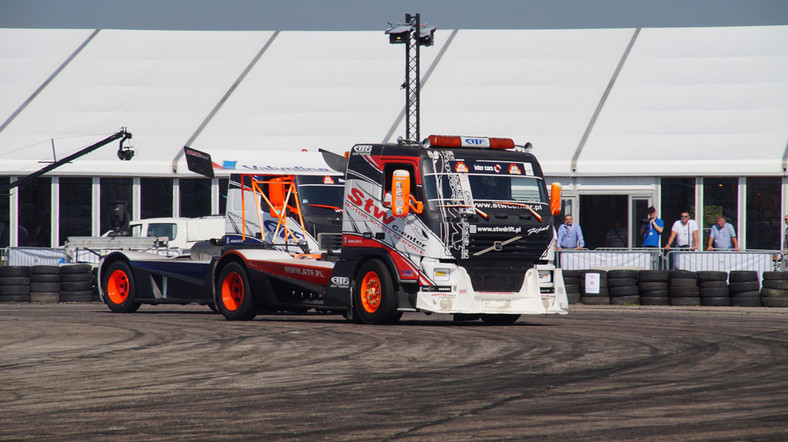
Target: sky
x,y
335,15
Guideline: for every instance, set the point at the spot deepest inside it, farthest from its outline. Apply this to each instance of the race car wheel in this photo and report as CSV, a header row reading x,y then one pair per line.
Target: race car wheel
x,y
374,294
234,294
119,289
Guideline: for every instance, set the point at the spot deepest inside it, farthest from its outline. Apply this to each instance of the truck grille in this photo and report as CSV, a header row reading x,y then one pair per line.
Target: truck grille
x,y
495,246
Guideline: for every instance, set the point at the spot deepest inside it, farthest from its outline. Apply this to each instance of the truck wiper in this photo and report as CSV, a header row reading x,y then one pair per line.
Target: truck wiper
x,y
465,206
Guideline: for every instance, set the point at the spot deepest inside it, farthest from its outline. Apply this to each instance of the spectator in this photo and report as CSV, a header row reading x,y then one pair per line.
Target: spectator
x,y
651,229
616,236
685,232
722,235
570,236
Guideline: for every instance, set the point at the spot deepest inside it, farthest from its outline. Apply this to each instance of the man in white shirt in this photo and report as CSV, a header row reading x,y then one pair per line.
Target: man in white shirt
x,y
685,232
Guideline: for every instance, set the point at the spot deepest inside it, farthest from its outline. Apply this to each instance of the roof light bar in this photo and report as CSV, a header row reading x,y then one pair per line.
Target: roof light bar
x,y
475,142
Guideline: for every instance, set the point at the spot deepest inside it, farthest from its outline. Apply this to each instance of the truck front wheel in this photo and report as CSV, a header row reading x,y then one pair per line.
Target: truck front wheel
x,y
374,294
119,289
234,294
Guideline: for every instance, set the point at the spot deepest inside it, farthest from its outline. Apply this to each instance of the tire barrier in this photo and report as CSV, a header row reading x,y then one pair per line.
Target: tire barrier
x,y
588,295
572,285
653,287
683,288
45,284
77,283
14,284
744,288
714,288
623,288
775,289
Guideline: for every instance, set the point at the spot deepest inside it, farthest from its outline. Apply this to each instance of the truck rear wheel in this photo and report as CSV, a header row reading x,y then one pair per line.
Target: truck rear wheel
x,y
234,294
374,294
119,289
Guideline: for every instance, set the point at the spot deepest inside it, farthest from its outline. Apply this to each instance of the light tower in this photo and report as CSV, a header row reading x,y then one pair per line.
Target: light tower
x,y
413,35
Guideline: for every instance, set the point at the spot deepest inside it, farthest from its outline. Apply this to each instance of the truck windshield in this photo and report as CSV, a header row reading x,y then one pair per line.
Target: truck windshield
x,y
321,196
487,188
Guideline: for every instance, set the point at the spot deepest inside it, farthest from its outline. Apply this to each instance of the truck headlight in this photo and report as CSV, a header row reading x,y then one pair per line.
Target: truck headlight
x,y
545,276
441,274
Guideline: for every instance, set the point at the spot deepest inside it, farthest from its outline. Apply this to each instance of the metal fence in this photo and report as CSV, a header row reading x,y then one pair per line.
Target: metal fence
x,y
658,259
32,256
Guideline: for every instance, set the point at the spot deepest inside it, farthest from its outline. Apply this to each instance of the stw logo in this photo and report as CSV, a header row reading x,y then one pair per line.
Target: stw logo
x,y
356,197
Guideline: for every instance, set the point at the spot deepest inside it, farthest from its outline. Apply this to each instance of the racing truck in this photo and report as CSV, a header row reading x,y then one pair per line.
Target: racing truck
x,y
455,225
278,208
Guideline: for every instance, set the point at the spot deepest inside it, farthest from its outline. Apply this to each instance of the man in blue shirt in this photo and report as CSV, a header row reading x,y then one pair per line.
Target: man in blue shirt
x,y
570,236
722,235
652,229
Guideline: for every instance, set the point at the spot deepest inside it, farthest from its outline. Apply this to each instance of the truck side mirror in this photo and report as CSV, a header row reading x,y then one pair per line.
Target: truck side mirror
x,y
401,199
555,198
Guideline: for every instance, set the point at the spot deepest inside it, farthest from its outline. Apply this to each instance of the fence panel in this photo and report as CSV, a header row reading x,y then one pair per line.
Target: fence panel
x,y
725,260
640,259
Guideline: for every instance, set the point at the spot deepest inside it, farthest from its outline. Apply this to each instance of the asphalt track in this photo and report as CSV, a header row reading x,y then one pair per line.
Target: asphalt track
x,y
79,372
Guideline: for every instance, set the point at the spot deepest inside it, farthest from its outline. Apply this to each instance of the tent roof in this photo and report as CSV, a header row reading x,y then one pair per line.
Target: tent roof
x,y
688,101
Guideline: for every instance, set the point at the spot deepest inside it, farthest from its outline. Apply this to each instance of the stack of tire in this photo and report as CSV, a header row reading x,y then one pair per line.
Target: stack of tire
x,y
683,288
45,284
14,284
744,288
714,288
775,289
653,287
76,283
587,295
572,285
623,288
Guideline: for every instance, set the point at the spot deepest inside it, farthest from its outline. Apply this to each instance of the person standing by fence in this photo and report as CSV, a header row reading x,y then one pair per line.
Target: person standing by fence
x,y
722,235
570,236
685,232
651,229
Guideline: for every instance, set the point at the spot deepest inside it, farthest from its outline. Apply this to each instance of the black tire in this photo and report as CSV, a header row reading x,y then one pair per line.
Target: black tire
x,y
682,274
623,291
746,301
780,284
45,270
683,283
45,287
744,286
45,297
620,274
685,301
15,280
774,302
595,300
499,319
45,277
742,276
716,292
775,275
621,282
234,293
774,293
572,273
655,294
574,298
119,288
625,300
373,294
651,286
14,298
77,296
572,288
75,268
653,276
654,300
77,277
75,286
684,292
710,275
717,301
603,293
11,290
14,271
712,284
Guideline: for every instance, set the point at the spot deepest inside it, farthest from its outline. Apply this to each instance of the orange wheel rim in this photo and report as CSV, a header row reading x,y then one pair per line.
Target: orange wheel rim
x,y
370,292
118,287
232,291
